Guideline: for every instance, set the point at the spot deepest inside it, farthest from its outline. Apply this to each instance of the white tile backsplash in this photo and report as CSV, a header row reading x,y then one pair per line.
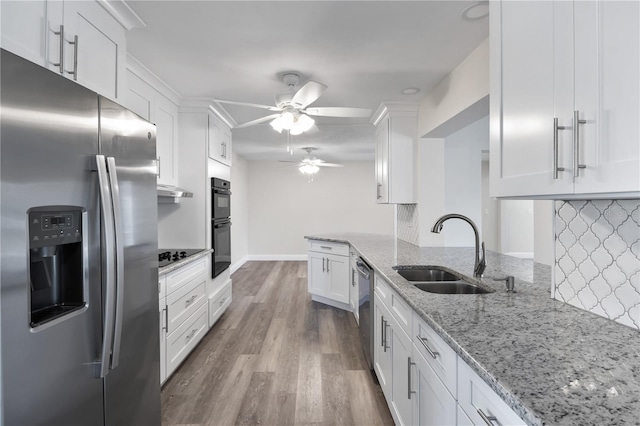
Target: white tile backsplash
x,y
597,266
407,227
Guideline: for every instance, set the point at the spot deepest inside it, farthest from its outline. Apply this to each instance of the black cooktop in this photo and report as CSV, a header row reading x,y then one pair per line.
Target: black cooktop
x,y
169,256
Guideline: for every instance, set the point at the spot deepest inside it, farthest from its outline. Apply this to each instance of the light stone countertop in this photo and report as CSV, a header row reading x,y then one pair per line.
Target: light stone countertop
x,y
179,264
552,363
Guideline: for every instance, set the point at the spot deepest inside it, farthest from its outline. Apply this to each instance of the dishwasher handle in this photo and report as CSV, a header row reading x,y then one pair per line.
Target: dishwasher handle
x,y
363,269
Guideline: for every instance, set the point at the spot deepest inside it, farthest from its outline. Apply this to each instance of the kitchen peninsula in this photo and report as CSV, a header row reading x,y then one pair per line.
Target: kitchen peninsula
x,y
550,362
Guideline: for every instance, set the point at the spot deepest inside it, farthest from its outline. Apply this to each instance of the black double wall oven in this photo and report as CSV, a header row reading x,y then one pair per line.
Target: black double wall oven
x,y
220,225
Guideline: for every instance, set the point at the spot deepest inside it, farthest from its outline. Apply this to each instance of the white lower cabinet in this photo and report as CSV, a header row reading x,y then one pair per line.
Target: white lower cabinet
x,y
381,349
481,404
422,378
401,366
219,303
432,402
183,312
328,273
182,341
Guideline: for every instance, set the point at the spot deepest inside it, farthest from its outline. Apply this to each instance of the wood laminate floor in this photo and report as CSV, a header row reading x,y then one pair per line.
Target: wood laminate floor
x,y
276,358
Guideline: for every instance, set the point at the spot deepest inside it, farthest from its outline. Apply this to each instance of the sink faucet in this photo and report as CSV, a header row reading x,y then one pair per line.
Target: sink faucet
x,y
480,263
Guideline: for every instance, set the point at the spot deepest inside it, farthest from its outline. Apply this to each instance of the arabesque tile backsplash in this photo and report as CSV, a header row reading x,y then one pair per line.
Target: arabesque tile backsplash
x,y
407,227
597,264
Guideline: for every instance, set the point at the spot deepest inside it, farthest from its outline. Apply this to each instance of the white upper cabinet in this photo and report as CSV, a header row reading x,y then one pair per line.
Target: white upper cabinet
x,y
396,134
77,39
29,30
564,99
152,105
219,138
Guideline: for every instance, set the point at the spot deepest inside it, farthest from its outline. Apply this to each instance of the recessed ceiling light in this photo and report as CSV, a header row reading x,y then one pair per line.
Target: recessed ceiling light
x,y
410,91
475,11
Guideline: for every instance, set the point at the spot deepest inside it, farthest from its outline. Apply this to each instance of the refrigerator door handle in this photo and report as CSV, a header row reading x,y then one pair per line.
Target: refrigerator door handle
x,y
117,221
110,263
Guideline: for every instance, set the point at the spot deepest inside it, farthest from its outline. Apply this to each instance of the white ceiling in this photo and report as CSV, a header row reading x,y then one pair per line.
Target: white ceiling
x,y
366,52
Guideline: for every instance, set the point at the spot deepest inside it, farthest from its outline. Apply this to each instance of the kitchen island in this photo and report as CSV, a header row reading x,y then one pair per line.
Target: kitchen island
x,y
549,361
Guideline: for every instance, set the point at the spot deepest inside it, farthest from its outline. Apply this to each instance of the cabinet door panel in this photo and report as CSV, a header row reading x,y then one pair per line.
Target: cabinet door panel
x,y
524,136
382,161
338,278
166,120
101,48
432,404
400,359
316,274
607,66
382,352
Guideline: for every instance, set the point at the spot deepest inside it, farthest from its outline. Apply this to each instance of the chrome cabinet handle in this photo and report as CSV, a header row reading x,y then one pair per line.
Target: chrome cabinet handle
x,y
382,331
158,166
165,327
60,63
353,277
386,324
576,143
75,58
378,194
222,301
433,353
190,301
193,332
323,265
409,364
556,169
326,247
488,419
328,260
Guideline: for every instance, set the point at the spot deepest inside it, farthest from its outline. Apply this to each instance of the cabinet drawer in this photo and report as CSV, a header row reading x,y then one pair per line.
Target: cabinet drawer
x,y
329,248
184,302
182,341
438,354
219,303
476,398
177,279
400,310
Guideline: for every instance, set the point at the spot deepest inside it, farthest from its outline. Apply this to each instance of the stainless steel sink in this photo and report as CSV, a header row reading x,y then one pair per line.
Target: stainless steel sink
x,y
451,287
433,279
426,274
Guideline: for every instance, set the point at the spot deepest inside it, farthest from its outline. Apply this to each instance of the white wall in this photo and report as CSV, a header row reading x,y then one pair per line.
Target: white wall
x,y
284,207
463,181
543,238
239,210
460,99
430,189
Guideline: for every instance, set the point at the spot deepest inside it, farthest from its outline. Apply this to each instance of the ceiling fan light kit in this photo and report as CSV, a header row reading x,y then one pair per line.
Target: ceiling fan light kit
x,y
291,107
309,169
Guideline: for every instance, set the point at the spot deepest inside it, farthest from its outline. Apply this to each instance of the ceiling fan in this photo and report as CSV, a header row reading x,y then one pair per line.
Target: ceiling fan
x,y
310,164
292,111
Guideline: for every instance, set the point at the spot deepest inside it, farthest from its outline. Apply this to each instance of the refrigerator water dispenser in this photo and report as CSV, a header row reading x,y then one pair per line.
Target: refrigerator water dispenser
x,y
56,263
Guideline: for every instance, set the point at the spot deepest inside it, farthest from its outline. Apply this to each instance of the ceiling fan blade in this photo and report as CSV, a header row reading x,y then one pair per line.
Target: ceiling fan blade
x,y
329,165
308,93
339,112
269,107
256,121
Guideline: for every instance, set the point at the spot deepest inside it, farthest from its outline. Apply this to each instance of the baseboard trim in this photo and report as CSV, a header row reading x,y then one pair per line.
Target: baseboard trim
x,y
268,258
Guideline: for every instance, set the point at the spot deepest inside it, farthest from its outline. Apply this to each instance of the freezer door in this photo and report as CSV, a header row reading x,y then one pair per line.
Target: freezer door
x,y
48,139
132,385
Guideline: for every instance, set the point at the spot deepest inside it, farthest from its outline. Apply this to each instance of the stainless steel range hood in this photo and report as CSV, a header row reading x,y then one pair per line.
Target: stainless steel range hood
x,y
169,191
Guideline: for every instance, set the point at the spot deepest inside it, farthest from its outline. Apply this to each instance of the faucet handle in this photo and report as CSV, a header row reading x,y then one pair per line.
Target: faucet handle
x,y
509,281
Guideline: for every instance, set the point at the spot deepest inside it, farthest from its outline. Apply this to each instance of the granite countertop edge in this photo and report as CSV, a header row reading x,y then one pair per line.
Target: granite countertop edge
x,y
507,391
179,264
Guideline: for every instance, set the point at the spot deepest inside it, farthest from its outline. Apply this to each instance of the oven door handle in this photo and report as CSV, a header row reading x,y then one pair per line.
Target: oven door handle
x,y
222,225
221,191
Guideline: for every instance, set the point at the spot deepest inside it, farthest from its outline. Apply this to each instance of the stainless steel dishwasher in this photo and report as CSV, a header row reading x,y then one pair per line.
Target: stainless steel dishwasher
x,y
365,295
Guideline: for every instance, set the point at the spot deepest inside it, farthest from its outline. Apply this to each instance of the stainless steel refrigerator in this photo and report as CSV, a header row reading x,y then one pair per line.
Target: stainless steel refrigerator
x,y
79,298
